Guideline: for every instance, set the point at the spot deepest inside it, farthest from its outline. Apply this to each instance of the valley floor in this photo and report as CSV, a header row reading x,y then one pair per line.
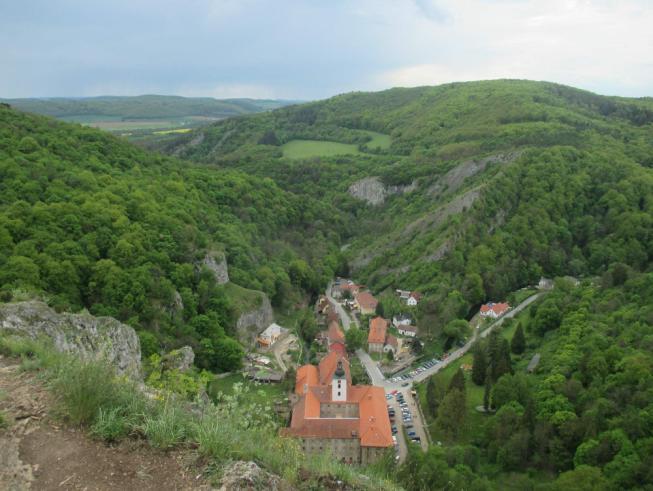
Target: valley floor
x,y
37,452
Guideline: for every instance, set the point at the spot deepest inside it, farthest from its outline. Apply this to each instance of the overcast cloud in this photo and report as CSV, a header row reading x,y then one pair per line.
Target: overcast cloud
x,y
317,48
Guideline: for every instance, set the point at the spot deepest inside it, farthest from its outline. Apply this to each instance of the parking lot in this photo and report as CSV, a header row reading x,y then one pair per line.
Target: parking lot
x,y
402,409
410,375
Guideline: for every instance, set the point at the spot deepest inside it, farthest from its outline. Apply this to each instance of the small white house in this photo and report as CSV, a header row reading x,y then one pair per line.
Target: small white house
x,y
270,335
401,320
413,299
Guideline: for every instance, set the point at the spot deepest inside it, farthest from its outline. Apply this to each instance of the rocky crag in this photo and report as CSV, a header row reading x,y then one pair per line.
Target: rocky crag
x,y
216,262
84,335
374,192
251,323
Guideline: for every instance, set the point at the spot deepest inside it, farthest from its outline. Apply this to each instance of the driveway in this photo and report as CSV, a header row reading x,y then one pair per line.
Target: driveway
x,y
280,348
344,316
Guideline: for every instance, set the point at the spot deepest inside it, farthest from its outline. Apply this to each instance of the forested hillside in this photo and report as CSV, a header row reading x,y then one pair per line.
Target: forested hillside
x,y
90,221
464,192
142,107
508,180
483,188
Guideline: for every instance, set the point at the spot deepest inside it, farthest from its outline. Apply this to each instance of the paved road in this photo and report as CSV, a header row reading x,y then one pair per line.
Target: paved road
x,y
453,356
371,367
379,380
344,316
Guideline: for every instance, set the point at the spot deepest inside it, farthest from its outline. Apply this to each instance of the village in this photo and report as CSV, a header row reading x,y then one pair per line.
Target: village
x,y
356,398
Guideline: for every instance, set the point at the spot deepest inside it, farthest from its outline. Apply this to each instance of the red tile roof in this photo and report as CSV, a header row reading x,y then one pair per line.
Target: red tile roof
x,y
328,365
335,334
378,329
338,348
497,308
366,301
392,341
372,425
416,295
307,375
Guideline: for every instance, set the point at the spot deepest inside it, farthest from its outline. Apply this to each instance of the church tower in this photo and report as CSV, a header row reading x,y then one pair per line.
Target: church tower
x,y
339,384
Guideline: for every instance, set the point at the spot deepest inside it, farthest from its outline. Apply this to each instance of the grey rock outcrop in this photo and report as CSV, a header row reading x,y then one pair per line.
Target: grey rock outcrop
x,y
87,336
179,359
251,323
241,475
374,192
217,263
454,179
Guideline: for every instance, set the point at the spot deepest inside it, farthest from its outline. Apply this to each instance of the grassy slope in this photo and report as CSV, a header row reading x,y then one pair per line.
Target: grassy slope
x,y
303,149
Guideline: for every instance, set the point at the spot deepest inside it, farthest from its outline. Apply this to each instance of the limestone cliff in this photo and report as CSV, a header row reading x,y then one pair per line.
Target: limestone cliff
x,y
87,336
372,190
216,262
252,322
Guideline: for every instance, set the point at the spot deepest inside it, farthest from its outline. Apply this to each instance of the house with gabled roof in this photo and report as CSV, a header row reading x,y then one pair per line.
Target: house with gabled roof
x,y
413,299
377,335
331,415
494,310
366,303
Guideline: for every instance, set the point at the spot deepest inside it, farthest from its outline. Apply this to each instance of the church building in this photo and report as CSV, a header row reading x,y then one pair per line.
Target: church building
x,y
332,415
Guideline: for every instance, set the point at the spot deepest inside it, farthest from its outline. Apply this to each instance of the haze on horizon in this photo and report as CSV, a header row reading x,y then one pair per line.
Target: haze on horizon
x,y
310,49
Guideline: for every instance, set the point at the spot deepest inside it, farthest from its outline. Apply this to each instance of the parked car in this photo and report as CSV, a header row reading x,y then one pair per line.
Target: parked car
x,y
405,384
412,433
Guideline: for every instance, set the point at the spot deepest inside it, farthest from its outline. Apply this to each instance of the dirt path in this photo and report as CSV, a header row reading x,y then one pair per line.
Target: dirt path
x,y
36,452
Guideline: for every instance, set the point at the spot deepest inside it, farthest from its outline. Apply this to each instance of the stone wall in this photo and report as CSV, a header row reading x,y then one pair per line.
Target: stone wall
x,y
344,449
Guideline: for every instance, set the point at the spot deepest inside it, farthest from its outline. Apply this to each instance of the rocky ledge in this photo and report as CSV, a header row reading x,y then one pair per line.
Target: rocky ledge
x,y
87,336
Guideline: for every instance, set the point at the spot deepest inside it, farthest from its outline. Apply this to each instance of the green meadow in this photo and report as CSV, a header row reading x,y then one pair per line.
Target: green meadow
x,y
302,149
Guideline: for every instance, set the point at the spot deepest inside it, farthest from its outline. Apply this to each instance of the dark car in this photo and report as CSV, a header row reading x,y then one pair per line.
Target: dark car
x,y
405,384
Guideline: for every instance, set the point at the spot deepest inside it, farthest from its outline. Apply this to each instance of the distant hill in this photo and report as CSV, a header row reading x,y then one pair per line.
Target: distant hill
x,y
440,180
142,106
148,117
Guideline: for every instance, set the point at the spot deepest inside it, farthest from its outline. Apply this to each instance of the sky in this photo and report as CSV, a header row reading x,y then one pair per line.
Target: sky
x,y
313,49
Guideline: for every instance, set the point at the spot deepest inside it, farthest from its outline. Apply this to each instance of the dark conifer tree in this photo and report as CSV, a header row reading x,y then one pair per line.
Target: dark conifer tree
x,y
518,343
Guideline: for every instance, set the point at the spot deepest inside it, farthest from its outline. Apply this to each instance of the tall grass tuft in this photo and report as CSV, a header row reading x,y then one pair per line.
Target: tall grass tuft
x,y
167,427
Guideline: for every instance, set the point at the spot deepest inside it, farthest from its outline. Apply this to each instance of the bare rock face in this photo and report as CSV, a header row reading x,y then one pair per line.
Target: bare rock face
x,y
251,323
372,190
217,263
240,475
454,179
179,359
87,336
